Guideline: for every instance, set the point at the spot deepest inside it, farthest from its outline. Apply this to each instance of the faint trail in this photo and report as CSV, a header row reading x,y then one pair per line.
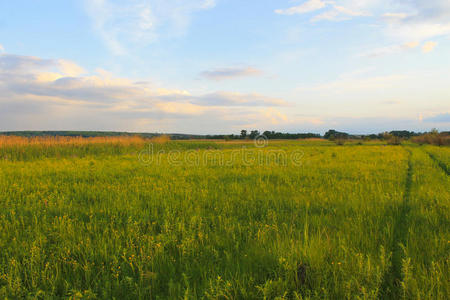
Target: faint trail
x,y
390,288
440,163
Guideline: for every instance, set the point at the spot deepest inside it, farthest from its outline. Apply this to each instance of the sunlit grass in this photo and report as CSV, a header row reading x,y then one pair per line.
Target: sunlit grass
x,y
88,221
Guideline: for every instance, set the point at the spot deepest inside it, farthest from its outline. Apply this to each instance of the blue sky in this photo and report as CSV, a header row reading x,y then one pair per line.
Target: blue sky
x,y
218,66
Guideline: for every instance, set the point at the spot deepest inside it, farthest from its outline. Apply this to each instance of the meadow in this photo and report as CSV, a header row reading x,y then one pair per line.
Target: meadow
x,y
106,218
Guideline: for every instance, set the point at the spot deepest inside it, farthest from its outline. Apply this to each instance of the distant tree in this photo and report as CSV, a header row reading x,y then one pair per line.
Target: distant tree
x,y
403,133
254,134
387,136
292,136
333,134
269,134
243,134
330,134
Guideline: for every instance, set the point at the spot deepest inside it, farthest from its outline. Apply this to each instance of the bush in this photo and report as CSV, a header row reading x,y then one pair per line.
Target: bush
x,y
394,140
433,138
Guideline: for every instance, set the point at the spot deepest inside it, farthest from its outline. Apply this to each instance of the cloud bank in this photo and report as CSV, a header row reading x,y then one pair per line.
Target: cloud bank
x,y
57,91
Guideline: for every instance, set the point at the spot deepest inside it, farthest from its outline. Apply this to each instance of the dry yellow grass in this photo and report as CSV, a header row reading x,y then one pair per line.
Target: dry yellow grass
x,y
6,141
162,139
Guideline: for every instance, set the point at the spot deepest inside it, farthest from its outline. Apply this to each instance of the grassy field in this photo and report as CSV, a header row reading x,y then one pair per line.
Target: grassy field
x,y
113,218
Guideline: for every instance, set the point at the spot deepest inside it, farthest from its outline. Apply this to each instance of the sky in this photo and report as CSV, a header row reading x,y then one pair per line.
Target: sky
x,y
219,66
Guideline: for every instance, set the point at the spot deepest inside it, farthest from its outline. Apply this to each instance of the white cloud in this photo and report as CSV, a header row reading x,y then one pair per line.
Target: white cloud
x,y
123,24
2,49
411,23
31,75
410,45
337,12
350,12
406,22
331,15
70,68
415,20
15,66
274,116
308,6
428,47
417,31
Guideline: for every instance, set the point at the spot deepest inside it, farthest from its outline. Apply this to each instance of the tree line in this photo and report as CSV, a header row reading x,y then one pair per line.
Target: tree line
x,y
244,134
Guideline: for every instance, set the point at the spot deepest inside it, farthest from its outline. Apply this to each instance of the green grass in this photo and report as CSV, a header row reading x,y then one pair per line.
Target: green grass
x,y
349,222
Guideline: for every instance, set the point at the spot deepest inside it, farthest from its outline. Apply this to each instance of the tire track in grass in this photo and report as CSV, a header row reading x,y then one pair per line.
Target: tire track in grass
x,y
440,163
390,288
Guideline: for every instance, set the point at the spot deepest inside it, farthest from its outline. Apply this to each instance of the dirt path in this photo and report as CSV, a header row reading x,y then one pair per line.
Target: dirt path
x,y
390,288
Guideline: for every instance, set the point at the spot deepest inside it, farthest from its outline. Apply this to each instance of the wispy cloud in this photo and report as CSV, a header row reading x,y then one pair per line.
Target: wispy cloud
x,y
237,99
428,47
339,13
305,7
409,22
391,49
418,20
2,49
230,73
222,99
335,12
395,49
414,20
123,24
395,15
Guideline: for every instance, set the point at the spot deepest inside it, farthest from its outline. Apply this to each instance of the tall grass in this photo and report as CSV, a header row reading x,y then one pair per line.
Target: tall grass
x,y
425,264
18,141
22,148
107,226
